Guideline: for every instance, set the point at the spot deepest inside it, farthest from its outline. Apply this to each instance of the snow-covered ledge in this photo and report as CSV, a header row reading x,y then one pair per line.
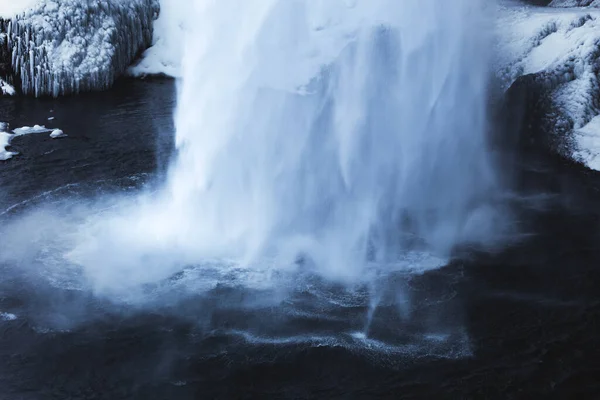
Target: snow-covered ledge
x,y
59,47
557,50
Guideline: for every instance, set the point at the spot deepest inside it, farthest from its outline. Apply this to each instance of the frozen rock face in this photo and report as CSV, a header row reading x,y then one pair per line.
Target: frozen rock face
x,y
60,47
575,3
553,57
5,62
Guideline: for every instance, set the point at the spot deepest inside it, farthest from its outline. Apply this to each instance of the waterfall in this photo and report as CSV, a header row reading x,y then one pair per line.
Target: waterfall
x,y
334,138
335,132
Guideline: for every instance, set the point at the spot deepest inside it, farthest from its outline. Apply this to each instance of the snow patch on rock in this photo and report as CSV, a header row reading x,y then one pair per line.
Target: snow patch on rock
x,y
5,138
10,8
26,130
6,89
587,144
57,133
166,53
575,3
562,47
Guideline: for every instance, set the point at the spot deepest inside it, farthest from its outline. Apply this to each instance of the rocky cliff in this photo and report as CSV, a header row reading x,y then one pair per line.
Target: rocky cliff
x,y
59,47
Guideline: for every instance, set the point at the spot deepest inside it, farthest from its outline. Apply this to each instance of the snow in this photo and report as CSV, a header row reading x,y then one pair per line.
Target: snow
x,y
164,57
57,133
561,45
28,129
6,137
587,144
575,3
6,89
534,39
68,46
10,8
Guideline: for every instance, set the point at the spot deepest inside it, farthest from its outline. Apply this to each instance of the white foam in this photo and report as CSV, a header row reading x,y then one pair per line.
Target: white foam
x,y
7,316
358,342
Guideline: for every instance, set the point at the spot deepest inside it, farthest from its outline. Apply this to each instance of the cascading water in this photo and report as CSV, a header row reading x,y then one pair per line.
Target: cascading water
x,y
337,138
336,132
326,150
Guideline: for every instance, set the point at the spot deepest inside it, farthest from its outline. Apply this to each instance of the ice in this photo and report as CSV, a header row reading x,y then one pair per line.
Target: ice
x,y
57,133
575,3
69,46
6,89
5,138
587,144
532,40
25,130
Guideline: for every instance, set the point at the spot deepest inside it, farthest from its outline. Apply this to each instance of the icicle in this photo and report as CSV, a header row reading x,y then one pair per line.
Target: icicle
x,y
107,34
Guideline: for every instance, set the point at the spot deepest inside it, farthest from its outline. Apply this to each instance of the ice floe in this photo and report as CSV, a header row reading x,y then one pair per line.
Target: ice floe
x,y
6,136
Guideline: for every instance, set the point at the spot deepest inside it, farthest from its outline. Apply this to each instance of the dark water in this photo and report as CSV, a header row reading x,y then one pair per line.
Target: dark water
x,y
520,323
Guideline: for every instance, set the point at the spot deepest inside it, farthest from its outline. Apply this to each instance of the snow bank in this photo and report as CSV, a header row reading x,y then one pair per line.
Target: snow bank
x,y
164,57
587,144
561,47
68,46
10,8
6,137
31,129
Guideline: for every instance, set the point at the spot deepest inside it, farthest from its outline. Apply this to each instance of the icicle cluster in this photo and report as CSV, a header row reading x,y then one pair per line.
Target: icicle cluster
x,y
5,60
60,47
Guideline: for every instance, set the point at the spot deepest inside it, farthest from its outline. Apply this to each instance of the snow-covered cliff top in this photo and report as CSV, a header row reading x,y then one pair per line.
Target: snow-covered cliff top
x,y
164,57
10,8
562,46
575,3
68,46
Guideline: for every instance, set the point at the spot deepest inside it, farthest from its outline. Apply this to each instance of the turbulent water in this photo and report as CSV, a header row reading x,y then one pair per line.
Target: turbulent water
x,y
330,134
318,143
330,156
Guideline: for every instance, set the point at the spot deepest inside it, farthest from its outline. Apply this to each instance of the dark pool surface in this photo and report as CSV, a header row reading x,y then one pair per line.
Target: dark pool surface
x,y
531,312
111,135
